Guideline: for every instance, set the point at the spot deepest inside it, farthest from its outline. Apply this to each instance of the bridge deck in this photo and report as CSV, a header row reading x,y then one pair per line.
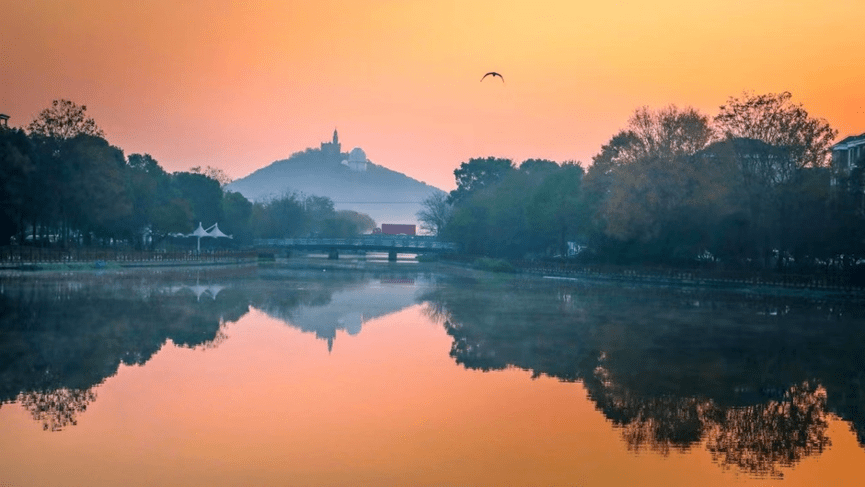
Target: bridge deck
x,y
382,243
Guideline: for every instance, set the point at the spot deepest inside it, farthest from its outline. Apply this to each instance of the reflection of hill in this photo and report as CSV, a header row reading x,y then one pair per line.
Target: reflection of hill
x,y
60,339
339,301
753,377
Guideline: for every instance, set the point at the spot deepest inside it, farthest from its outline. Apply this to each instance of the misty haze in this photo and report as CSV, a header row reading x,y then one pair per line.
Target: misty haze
x,y
425,244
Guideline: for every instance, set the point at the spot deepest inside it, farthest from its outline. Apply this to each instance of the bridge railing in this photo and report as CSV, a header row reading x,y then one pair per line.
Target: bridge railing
x,y
376,241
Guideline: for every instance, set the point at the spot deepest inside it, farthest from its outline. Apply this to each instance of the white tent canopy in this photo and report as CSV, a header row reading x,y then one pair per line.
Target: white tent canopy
x,y
199,232
215,232
212,231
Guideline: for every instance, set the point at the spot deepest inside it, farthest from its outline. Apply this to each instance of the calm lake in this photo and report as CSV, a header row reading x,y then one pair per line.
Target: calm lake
x,y
400,374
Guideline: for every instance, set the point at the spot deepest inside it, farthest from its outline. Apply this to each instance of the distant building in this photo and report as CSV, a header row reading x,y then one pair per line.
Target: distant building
x,y
848,159
333,148
847,153
4,121
356,160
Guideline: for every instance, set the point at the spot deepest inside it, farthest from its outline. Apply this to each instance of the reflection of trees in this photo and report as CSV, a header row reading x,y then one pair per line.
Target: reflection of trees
x,y
779,432
659,424
751,378
58,408
59,339
758,438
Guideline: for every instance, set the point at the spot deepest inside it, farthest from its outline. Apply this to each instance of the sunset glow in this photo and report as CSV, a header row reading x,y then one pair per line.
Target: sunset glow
x,y
237,86
271,406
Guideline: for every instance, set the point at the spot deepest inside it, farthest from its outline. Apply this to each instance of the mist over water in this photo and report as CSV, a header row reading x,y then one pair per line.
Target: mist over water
x,y
411,375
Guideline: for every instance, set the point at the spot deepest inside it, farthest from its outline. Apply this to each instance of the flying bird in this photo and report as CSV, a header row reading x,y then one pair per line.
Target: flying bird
x,y
493,74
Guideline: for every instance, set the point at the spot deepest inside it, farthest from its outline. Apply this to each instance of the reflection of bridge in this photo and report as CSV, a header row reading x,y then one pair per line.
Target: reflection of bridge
x,y
392,244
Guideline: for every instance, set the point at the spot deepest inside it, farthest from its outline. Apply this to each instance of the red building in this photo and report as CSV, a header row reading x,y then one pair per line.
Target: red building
x,y
397,229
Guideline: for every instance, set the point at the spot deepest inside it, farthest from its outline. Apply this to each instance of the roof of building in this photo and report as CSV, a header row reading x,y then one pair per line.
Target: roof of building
x,y
742,147
850,141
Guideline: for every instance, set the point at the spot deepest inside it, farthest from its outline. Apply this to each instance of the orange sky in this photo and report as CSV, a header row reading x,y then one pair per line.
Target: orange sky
x,y
238,86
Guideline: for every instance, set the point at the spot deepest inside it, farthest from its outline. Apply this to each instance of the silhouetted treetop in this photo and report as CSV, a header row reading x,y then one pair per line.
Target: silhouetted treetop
x,y
64,120
776,120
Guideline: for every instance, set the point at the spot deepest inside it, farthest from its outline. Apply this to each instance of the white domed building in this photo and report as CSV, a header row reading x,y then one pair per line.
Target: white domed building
x,y
356,160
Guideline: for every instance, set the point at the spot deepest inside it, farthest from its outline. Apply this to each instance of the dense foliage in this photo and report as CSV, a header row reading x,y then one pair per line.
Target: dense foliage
x,y
751,187
64,185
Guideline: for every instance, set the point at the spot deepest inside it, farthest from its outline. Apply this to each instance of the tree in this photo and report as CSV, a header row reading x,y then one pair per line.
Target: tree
x,y
620,150
173,215
279,218
435,213
516,213
158,204
782,142
647,203
477,174
145,163
346,223
237,211
150,191
538,166
16,169
204,195
54,132
362,222
317,209
749,172
643,181
97,200
64,120
555,212
774,119
670,131
213,173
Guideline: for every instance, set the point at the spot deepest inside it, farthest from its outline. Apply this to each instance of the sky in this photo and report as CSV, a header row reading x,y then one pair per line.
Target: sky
x,y
238,85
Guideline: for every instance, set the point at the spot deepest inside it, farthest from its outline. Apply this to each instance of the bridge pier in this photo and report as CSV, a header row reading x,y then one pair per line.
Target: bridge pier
x,y
391,256
333,254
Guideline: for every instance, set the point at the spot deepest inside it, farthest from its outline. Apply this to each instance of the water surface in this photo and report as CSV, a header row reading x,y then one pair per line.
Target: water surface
x,y
397,375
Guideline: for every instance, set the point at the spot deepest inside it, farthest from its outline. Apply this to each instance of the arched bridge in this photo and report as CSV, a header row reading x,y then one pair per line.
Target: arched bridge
x,y
392,244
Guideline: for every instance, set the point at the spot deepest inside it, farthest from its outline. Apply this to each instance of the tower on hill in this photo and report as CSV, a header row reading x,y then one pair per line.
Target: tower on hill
x,y
331,149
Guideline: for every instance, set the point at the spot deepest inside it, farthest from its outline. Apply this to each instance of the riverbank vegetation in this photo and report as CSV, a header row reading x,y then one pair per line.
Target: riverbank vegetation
x,y
750,188
64,185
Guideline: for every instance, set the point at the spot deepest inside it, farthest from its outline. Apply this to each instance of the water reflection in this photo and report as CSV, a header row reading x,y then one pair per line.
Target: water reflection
x,y
324,303
750,378
59,339
56,409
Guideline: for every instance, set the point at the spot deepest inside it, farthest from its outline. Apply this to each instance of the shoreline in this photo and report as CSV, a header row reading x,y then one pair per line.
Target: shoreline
x,y
743,282
815,285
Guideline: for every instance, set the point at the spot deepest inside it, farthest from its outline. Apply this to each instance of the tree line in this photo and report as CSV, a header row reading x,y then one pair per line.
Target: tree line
x,y
752,186
63,184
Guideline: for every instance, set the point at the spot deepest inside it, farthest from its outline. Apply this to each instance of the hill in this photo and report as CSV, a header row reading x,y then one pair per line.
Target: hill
x,y
349,179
